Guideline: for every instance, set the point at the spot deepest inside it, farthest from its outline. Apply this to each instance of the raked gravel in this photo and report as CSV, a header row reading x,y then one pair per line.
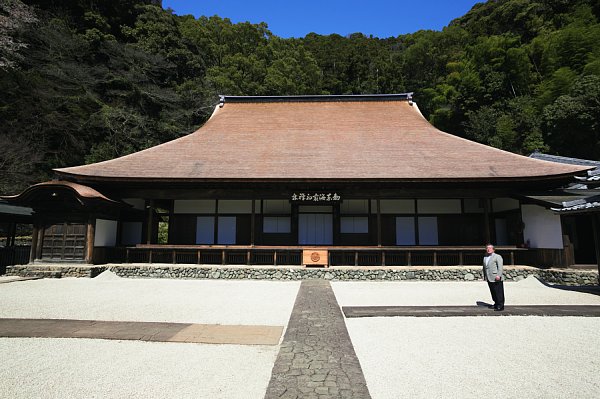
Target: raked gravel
x,y
85,368
478,357
108,297
473,357
529,291
401,357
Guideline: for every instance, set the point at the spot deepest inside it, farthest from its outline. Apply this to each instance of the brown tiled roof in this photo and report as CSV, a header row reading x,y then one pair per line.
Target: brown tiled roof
x,y
78,189
320,138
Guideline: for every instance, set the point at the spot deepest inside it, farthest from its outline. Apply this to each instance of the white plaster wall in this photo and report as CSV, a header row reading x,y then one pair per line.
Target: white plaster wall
x,y
194,206
542,227
355,206
395,206
106,233
235,206
275,206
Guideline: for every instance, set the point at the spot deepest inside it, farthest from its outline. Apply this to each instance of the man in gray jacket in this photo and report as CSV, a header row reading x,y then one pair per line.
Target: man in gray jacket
x,y
492,273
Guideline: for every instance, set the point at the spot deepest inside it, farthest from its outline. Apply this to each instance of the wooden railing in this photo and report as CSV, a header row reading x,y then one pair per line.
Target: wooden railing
x,y
338,256
13,255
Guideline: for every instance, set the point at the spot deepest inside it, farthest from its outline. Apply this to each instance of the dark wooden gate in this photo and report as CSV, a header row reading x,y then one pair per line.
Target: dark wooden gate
x,y
64,242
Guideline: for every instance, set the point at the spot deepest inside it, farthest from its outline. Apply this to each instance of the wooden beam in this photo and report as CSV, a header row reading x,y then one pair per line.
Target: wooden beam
x,y
284,190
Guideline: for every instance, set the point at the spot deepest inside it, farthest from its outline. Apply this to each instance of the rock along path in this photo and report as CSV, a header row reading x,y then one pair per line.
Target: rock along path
x,y
317,358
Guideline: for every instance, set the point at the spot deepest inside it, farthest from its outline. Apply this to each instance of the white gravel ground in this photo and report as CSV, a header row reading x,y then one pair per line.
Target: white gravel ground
x,y
525,292
473,357
184,301
478,357
402,357
83,368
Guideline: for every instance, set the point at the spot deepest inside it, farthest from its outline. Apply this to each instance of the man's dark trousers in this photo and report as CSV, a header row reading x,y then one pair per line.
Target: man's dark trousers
x,y
497,291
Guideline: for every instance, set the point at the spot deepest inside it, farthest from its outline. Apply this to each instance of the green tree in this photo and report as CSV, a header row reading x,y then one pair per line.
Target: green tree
x,y
573,121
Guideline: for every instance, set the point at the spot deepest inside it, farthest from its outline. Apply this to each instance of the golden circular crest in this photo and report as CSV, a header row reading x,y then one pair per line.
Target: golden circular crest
x,y
315,257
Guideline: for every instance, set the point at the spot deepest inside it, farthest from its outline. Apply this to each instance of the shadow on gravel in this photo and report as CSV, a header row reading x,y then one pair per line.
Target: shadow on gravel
x,y
586,289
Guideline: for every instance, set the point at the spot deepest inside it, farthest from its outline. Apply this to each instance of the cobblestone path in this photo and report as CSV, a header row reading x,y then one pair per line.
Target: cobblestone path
x,y
317,359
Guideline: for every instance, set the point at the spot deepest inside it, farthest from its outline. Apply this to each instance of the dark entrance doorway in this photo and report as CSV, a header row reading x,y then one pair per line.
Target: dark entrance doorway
x,y
580,230
315,225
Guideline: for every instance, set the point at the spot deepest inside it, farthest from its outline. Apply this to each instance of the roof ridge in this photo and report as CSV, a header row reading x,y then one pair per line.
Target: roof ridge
x,y
317,98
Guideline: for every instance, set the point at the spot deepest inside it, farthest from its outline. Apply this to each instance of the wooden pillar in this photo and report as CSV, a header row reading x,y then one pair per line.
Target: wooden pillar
x,y
336,224
486,221
34,241
378,222
295,223
149,221
252,226
89,240
12,234
40,240
596,229
216,226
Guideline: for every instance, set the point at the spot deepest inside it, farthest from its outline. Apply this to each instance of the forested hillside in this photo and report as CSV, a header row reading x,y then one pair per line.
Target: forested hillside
x,y
88,80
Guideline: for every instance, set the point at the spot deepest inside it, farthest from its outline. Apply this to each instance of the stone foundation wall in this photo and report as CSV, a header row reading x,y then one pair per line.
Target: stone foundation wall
x,y
55,271
340,273
448,273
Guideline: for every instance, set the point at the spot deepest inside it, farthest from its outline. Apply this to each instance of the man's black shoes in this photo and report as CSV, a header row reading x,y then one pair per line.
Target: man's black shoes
x,y
498,308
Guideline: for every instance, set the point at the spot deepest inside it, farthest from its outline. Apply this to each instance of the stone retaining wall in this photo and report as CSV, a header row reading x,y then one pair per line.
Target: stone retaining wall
x,y
339,273
55,271
448,273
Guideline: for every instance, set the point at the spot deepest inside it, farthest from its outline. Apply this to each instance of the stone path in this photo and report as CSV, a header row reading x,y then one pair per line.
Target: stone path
x,y
448,311
317,359
141,331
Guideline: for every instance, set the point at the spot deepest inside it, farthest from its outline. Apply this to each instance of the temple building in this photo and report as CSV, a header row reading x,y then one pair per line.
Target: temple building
x,y
366,177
